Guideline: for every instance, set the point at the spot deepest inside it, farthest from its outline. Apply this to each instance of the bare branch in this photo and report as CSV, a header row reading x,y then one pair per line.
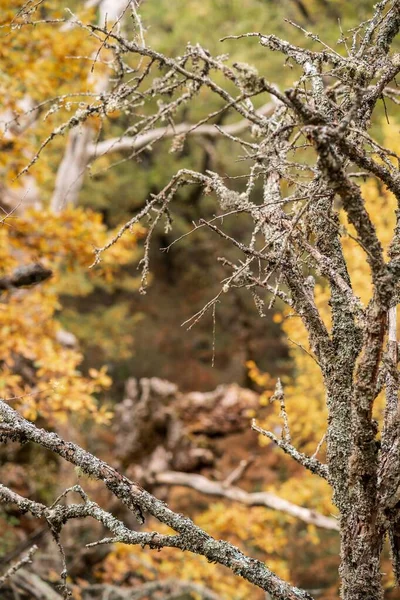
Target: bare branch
x,y
267,499
124,143
190,537
311,464
25,276
25,560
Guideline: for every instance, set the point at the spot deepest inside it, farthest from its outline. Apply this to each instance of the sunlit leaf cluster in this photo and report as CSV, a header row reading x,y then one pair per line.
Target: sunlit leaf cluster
x,y
39,369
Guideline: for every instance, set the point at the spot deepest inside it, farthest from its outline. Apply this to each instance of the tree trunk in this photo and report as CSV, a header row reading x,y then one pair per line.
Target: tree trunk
x,y
361,545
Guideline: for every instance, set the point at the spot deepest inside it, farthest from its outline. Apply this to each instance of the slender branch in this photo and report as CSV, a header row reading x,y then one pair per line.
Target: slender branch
x,y
169,588
124,143
267,499
311,464
25,560
191,537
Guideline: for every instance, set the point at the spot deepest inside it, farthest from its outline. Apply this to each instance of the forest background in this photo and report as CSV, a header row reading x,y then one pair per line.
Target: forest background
x,y
79,349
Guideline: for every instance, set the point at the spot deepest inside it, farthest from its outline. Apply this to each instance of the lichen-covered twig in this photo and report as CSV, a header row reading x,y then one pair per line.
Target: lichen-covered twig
x,y
25,560
188,536
311,464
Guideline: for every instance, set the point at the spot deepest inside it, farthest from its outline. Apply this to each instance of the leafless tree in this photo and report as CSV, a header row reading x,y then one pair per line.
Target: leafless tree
x,y
315,136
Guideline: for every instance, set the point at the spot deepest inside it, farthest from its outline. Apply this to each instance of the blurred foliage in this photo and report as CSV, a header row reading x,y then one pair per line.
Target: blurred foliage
x,y
43,76
46,379
39,372
101,328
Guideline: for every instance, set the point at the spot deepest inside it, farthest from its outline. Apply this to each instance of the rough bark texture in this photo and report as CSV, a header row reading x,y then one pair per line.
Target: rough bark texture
x,y
296,238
